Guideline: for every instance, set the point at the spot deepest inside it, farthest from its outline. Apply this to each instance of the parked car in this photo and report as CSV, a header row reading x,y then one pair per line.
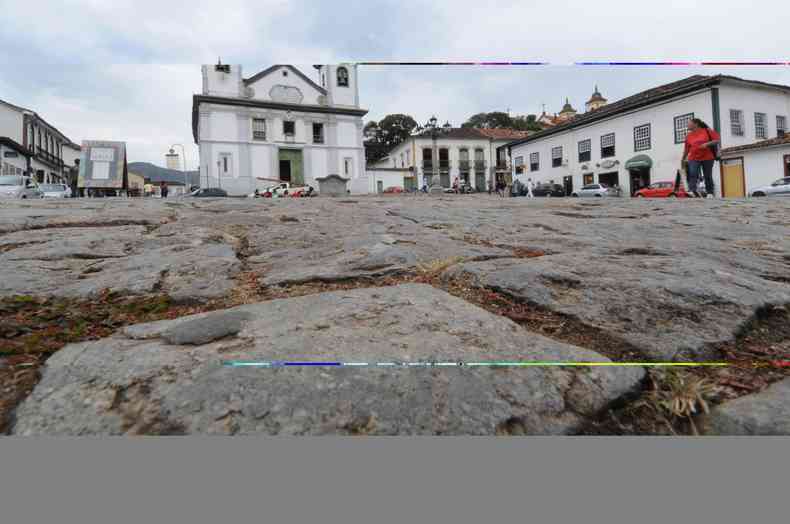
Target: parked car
x,y
55,190
393,190
463,188
548,190
16,186
665,189
208,192
780,187
597,190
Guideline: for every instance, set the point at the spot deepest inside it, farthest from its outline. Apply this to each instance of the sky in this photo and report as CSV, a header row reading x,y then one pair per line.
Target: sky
x,y
127,69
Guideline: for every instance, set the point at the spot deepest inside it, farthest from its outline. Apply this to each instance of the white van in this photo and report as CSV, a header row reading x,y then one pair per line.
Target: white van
x,y
16,186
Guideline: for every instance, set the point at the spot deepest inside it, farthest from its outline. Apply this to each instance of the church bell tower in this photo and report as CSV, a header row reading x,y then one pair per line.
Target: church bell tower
x,y
340,82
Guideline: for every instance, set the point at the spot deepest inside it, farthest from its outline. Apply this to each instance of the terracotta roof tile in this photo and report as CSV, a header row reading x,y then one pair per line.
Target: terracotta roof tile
x,y
469,133
758,145
504,134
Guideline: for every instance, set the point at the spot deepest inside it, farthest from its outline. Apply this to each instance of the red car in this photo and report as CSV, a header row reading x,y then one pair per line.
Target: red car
x,y
661,190
393,189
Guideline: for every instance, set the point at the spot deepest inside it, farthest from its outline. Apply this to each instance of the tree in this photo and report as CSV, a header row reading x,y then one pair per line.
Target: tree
x,y
526,123
500,120
396,128
382,136
493,120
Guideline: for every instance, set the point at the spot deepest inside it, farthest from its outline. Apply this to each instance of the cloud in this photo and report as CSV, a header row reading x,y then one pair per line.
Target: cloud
x,y
127,70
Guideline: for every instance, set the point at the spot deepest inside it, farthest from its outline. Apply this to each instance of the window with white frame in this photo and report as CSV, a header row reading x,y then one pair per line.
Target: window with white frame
x,y
607,145
289,128
585,150
760,129
736,122
642,137
348,167
534,161
225,166
781,125
258,129
519,164
681,127
556,156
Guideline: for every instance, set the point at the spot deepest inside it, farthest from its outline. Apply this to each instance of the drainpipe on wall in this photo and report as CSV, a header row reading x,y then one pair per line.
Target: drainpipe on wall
x,y
714,95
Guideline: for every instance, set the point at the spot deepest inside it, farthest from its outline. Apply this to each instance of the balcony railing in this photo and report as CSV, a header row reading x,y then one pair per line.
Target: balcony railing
x,y
502,166
463,165
444,165
46,156
480,165
427,165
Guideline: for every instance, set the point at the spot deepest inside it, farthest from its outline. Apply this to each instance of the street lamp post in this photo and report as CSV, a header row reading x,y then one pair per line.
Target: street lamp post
x,y
435,132
184,159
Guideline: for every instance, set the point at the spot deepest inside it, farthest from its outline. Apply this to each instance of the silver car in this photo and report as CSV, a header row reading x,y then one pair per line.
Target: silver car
x,y
16,186
779,188
597,190
55,191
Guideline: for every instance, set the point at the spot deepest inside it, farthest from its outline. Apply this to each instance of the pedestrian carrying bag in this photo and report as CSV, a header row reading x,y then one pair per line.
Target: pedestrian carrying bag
x,y
714,148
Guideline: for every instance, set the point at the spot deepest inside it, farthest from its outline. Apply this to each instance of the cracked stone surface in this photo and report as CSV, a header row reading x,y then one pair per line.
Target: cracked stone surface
x,y
143,381
670,277
764,413
83,261
667,311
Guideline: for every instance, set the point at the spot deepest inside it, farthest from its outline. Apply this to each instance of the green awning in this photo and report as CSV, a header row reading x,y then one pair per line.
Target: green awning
x,y
639,161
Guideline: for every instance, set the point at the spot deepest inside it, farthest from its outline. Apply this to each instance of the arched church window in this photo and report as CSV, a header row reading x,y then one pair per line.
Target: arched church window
x,y
342,77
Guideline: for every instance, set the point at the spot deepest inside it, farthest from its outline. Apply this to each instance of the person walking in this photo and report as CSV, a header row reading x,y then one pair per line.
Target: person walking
x,y
164,190
699,154
530,187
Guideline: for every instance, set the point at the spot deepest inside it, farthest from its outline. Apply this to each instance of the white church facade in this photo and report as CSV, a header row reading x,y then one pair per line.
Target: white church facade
x,y
278,125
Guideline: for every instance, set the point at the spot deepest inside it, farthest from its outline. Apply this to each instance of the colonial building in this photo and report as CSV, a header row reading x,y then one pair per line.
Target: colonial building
x,y
567,112
596,101
747,167
34,146
14,157
277,125
639,139
472,155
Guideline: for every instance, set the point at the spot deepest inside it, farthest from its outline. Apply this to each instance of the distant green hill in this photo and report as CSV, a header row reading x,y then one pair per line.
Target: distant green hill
x,y
160,174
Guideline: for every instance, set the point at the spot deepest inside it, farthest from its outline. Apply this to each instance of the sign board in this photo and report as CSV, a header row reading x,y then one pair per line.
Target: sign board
x,y
102,154
10,154
606,164
103,165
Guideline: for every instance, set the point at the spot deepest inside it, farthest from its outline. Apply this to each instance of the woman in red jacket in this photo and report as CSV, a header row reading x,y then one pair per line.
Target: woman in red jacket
x,y
699,151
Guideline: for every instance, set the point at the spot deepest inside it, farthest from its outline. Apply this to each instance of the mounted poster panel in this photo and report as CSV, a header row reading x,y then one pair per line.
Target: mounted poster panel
x,y
103,165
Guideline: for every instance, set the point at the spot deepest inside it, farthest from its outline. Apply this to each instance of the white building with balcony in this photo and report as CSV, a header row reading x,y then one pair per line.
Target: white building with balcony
x,y
278,125
33,146
474,156
639,139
